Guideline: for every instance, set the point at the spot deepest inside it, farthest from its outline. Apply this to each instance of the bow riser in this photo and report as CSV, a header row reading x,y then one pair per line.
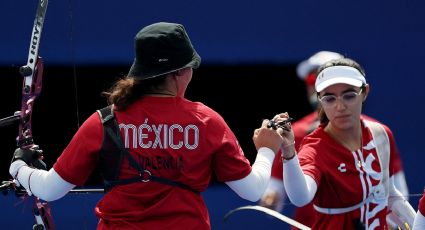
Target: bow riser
x,y
29,94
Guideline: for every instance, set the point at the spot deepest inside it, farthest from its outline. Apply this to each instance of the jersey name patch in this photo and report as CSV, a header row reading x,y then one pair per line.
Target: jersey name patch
x,y
160,136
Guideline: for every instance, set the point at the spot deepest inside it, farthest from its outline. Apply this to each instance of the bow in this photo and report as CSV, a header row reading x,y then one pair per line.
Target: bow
x,y
32,74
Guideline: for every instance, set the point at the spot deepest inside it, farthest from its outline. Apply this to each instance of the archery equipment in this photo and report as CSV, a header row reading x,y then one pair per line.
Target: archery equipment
x,y
268,212
32,74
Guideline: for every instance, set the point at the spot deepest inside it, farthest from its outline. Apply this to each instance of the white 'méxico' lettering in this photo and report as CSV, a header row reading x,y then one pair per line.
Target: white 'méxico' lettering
x,y
144,135
160,136
171,136
195,136
126,139
157,136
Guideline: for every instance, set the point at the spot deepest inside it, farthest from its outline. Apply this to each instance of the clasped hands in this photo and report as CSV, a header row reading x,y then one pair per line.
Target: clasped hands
x,y
276,134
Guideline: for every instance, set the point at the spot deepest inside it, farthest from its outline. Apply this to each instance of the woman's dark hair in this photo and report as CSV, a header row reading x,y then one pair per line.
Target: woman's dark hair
x,y
337,62
127,90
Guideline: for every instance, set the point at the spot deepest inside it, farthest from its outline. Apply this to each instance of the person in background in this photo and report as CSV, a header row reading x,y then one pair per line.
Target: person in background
x,y
345,166
275,194
156,149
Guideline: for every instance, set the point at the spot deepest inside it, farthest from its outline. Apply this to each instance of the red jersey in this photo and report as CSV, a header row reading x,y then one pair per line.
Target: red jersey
x,y
345,178
301,128
171,137
305,126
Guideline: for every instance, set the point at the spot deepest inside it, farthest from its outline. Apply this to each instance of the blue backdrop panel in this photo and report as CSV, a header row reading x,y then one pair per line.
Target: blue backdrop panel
x,y
76,211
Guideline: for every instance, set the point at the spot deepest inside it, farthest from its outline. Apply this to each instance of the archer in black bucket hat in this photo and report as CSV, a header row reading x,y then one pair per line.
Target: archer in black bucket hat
x,y
162,48
168,127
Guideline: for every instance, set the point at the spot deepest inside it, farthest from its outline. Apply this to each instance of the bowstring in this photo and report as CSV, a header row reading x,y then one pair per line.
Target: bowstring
x,y
74,74
74,66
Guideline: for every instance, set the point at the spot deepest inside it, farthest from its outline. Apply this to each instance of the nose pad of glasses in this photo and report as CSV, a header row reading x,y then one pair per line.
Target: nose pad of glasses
x,y
340,103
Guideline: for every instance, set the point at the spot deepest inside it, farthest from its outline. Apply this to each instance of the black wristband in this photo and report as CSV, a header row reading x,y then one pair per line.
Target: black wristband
x,y
290,158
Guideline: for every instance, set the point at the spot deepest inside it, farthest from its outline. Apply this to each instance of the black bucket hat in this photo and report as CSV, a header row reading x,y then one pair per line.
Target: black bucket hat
x,y
162,48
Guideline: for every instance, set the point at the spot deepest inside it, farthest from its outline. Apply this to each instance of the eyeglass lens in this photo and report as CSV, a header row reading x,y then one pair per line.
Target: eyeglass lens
x,y
348,97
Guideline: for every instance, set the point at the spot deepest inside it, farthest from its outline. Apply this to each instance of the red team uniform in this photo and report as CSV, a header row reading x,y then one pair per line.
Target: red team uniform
x,y
345,173
306,214
169,146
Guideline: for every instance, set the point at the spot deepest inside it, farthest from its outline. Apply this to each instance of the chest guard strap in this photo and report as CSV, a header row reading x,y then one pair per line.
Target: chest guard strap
x,y
381,191
112,153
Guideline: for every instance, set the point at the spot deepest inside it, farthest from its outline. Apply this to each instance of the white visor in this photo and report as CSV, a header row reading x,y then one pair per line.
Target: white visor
x,y
337,75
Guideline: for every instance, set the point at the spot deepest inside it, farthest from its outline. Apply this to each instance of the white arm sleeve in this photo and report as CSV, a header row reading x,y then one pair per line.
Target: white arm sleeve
x,y
46,185
276,186
253,186
419,222
300,188
401,211
400,184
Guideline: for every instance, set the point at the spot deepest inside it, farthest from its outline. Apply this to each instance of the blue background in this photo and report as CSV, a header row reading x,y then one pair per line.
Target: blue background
x,y
385,37
76,211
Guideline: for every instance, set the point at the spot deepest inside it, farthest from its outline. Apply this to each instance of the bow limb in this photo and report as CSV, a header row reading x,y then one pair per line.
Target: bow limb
x,y
268,212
